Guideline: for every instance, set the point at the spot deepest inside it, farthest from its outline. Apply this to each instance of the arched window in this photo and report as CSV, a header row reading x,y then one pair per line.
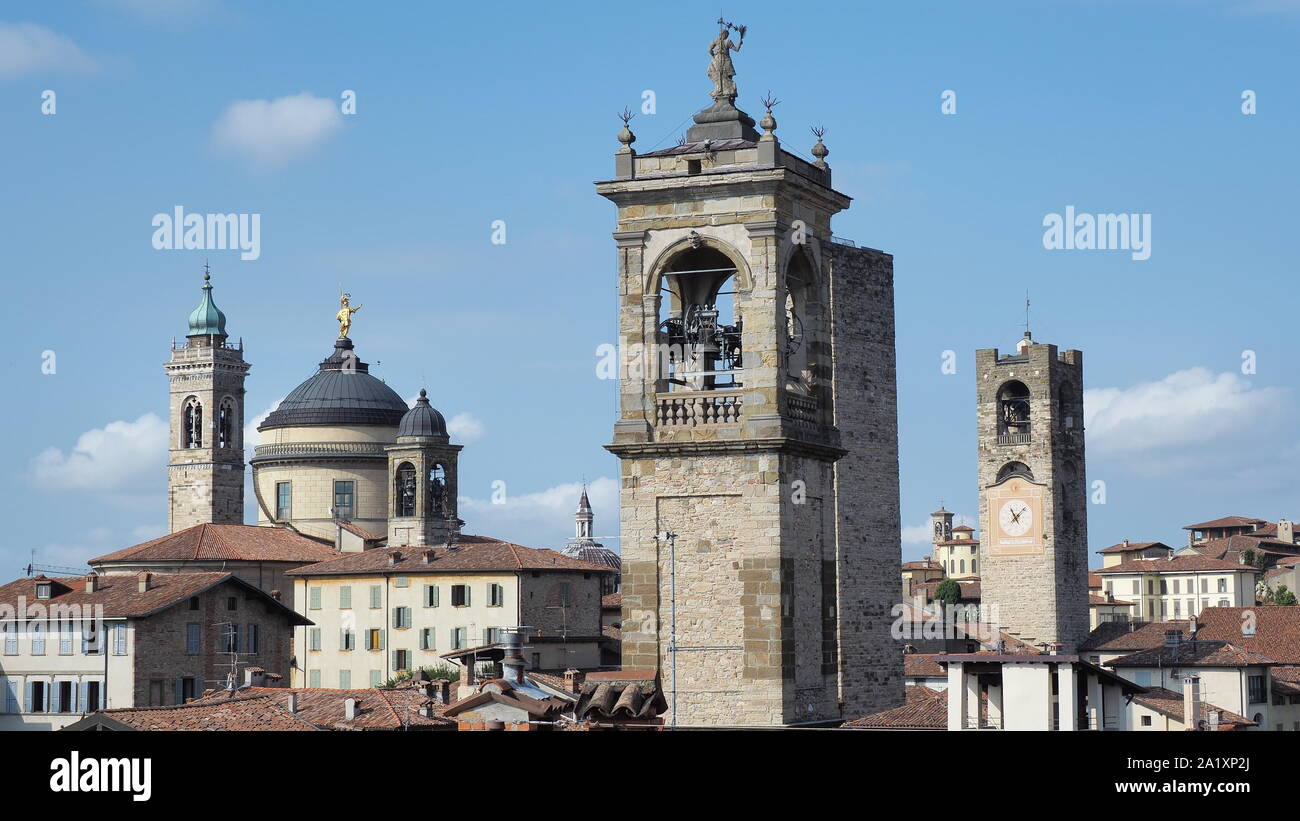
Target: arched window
x,y
1015,469
963,566
226,425
405,489
1013,411
700,330
438,491
800,322
192,424
974,565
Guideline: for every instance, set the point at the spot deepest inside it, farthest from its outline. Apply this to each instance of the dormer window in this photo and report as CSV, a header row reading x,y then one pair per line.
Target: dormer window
x,y
43,590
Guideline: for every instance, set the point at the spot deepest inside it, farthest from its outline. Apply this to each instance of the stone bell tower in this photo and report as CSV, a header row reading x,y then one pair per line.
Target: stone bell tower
x,y
422,475
205,472
757,429
1033,495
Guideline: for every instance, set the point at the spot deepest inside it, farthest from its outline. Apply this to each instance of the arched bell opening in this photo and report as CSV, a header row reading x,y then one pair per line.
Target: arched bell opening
x,y
700,329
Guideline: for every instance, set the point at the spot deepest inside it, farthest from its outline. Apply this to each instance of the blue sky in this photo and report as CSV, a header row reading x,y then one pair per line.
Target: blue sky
x,y
463,118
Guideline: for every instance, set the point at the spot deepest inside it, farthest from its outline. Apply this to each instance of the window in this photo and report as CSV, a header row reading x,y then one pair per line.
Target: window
x,y
376,597
460,595
230,639
405,490
1176,591
119,639
402,581
1137,587
192,638
401,660
1142,677
232,603
66,697
38,639
254,636
1223,586
313,679
1223,602
65,638
375,678
974,565
11,696
189,688
92,697
374,639
313,638
226,425
43,591
563,591
345,597
90,644
401,618
431,595
344,499
496,595
283,501
347,640
36,696
438,506
459,637
345,679
194,602
1164,587
11,639
427,639
1205,585
1146,721
192,433
1150,588
313,598
1257,690
1178,607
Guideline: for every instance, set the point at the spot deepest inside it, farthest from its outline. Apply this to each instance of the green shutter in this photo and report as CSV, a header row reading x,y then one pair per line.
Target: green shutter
x,y
314,594
376,596
345,597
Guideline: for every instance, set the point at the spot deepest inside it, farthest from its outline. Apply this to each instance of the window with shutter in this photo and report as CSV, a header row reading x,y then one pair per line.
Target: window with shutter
x,y
254,636
192,638
314,598
313,638
313,679
345,679
376,596
119,639
345,597
431,595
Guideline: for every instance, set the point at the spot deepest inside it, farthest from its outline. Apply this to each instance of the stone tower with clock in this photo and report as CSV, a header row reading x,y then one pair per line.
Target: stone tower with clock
x,y
757,429
1033,496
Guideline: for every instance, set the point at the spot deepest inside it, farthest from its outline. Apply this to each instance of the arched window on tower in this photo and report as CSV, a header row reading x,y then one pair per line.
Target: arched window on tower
x,y
799,321
192,424
1015,469
405,489
1013,413
700,331
226,425
438,491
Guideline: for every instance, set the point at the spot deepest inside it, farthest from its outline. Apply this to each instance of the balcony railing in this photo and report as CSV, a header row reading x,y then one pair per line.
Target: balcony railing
x,y
983,723
802,409
1014,438
692,409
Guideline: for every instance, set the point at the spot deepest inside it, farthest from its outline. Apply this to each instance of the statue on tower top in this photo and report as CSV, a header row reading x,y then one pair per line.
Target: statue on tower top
x,y
344,316
721,70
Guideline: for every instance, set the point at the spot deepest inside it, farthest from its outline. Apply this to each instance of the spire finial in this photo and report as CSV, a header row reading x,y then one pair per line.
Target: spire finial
x,y
768,123
820,150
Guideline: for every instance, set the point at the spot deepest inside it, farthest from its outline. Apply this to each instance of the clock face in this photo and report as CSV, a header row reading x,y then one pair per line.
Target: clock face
x,y
1015,517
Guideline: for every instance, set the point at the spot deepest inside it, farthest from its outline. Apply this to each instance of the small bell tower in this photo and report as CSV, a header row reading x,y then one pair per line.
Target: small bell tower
x,y
205,472
422,476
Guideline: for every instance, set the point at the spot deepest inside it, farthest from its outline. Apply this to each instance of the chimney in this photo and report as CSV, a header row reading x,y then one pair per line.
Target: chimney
x,y
1285,531
1191,702
293,702
1126,543
349,709
467,673
428,557
1192,627
512,666
143,578
91,580
442,691
573,680
1215,716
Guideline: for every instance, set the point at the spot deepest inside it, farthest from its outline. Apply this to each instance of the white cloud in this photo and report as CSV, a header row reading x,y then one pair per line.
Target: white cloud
x,y
27,47
272,132
1191,418
251,437
543,518
466,428
121,457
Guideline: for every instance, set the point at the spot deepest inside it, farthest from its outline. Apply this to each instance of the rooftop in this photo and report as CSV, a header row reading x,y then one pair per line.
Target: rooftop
x,y
213,542
470,554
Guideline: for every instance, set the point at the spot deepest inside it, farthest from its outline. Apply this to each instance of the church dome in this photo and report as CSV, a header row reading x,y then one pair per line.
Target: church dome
x,y
207,319
423,420
594,552
341,393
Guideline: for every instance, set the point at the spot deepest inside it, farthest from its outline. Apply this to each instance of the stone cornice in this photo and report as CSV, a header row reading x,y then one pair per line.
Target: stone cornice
x,y
779,444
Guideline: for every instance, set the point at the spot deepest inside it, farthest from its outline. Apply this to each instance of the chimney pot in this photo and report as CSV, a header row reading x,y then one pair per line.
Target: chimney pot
x,y
91,582
293,702
349,709
275,594
428,557
573,680
394,557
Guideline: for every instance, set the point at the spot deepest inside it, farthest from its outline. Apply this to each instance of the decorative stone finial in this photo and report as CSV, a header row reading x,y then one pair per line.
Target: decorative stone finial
x,y
820,150
768,123
626,137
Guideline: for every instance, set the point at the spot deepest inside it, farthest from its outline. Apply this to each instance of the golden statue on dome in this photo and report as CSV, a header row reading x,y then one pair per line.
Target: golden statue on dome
x,y
344,316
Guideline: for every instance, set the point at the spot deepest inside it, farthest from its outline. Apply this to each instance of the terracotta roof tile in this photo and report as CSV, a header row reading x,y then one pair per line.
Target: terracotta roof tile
x,y
250,713
1171,704
1125,548
1226,521
234,542
378,708
1277,632
923,709
1198,653
1174,564
922,665
613,601
471,554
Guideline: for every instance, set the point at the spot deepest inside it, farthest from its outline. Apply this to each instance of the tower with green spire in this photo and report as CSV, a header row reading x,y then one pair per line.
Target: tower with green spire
x,y
205,472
